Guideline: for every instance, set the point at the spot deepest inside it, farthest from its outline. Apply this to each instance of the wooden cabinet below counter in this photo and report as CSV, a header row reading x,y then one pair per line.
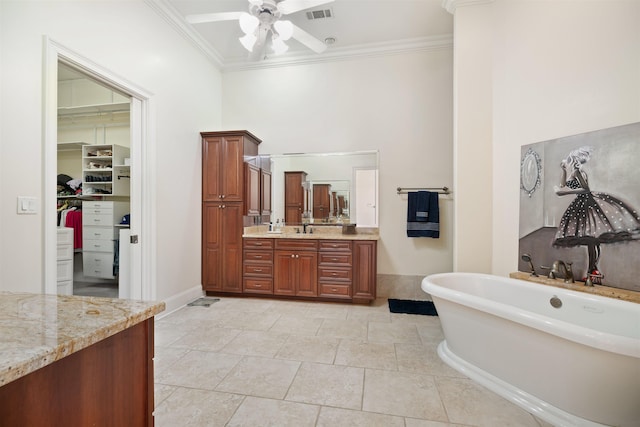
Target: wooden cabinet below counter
x,y
343,270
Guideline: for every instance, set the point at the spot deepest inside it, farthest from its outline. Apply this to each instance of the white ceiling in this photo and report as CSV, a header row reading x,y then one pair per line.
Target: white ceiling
x,y
359,27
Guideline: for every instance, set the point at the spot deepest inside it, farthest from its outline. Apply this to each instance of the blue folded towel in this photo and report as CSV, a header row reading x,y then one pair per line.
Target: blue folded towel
x,y
423,214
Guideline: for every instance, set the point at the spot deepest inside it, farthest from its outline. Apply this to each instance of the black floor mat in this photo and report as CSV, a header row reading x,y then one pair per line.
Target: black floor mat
x,y
426,308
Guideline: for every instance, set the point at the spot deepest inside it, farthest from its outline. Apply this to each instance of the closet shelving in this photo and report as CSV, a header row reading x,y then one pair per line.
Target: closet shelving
x,y
104,170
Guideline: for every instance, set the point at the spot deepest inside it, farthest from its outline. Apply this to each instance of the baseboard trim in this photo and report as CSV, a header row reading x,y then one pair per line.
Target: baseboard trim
x,y
178,301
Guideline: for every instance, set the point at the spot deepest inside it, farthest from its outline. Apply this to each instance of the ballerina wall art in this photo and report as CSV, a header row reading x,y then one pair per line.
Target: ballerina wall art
x,y
586,209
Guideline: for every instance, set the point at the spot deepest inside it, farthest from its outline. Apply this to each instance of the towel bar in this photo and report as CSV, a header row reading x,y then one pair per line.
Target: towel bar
x,y
440,190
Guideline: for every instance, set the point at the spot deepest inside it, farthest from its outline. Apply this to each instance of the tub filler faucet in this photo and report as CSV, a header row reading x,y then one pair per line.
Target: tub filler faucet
x,y
562,270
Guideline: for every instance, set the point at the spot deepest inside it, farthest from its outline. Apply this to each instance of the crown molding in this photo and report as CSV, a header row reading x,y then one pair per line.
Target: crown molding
x,y
340,54
175,19
452,5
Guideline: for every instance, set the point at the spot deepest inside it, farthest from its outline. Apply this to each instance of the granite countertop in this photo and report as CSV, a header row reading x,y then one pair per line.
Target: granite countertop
x,y
37,329
605,291
319,233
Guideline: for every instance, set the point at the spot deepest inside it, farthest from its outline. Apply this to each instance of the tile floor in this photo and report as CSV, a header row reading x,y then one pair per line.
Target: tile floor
x,y
262,362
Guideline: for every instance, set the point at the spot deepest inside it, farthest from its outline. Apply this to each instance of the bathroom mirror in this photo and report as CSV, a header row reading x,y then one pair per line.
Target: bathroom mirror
x,y
338,176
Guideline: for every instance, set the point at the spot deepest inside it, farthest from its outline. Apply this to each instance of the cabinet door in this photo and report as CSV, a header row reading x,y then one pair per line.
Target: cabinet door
x,y
252,190
364,270
211,247
211,157
231,232
284,273
307,274
231,169
265,192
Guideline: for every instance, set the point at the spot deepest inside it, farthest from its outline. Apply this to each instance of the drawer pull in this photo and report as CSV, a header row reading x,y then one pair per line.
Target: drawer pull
x,y
257,270
258,256
258,286
335,246
259,244
334,274
334,259
334,290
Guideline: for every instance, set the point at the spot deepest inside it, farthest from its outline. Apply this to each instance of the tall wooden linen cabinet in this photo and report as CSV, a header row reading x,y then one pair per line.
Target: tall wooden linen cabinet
x,y
223,207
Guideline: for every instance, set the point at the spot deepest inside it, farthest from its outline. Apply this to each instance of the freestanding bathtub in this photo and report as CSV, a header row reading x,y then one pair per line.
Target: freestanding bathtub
x,y
569,358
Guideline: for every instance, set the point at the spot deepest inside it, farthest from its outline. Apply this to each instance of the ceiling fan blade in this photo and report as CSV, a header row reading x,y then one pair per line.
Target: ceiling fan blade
x,y
291,6
213,17
308,40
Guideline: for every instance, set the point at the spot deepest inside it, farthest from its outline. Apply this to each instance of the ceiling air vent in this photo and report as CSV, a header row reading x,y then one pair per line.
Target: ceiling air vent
x,y
319,14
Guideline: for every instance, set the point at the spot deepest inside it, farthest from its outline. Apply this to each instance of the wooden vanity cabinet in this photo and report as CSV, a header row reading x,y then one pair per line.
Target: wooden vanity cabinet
x,y
257,270
252,189
222,247
296,267
364,270
335,268
223,205
321,203
294,196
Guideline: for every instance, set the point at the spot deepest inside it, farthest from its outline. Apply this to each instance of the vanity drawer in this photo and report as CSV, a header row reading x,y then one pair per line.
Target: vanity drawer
x,y
335,258
335,245
335,290
64,252
251,243
258,286
338,274
251,269
297,244
259,256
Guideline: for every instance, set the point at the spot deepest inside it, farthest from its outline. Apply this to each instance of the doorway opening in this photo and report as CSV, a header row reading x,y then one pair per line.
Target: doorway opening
x,y
93,186
97,133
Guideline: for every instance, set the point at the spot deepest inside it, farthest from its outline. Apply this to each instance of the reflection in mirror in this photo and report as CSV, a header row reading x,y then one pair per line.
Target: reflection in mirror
x,y
329,188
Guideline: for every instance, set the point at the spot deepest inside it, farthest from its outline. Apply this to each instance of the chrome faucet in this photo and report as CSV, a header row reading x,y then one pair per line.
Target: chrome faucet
x,y
562,270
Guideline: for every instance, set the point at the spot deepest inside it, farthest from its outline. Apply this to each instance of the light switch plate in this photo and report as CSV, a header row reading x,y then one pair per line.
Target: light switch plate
x,y
27,205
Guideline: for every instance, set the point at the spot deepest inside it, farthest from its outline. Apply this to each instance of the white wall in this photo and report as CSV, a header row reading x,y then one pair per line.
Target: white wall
x,y
132,41
400,105
558,68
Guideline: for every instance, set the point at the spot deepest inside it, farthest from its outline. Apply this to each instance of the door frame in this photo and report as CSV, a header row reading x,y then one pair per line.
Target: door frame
x,y
143,191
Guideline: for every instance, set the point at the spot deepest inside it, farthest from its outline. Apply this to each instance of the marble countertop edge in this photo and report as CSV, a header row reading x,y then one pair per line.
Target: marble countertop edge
x,y
25,361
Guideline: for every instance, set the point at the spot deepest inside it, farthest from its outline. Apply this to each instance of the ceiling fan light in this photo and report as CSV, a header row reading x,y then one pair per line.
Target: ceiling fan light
x,y
278,45
284,29
248,41
248,23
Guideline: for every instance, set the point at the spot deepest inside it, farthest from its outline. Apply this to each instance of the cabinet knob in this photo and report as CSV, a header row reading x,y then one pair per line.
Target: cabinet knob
x,y
297,256
293,256
223,206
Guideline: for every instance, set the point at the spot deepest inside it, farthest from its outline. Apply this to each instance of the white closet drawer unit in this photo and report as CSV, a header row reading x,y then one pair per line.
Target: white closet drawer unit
x,y
65,288
99,219
65,270
95,206
96,233
98,264
64,252
98,245
64,276
90,219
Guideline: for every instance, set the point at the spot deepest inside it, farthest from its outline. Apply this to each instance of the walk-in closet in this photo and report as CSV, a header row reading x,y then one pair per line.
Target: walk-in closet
x,y
93,185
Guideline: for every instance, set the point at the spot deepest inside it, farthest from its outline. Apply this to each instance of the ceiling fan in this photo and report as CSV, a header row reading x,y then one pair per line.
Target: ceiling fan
x,y
263,22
